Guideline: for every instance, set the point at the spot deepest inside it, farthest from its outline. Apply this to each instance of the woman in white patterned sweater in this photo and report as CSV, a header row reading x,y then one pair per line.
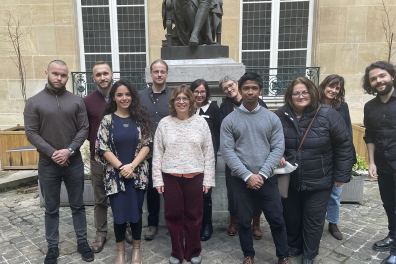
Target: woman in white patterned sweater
x,y
183,168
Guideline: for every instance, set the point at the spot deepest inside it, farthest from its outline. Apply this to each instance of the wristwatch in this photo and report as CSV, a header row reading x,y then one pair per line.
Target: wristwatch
x,y
71,151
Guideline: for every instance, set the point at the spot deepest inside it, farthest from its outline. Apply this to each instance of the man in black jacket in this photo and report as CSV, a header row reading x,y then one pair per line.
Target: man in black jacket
x,y
380,137
233,100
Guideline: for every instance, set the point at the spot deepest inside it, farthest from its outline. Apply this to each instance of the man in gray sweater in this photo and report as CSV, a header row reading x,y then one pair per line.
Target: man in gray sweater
x,y
252,144
56,124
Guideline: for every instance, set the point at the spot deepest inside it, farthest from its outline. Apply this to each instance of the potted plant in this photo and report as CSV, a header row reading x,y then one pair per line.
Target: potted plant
x,y
352,191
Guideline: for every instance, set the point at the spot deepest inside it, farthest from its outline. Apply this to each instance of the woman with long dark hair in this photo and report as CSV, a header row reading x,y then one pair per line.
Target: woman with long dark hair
x,y
211,112
332,93
122,145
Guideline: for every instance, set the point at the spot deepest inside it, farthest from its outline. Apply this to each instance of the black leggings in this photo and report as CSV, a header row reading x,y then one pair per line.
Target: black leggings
x,y
136,228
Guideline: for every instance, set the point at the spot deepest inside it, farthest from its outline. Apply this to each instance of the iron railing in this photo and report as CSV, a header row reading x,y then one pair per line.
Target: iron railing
x,y
275,80
83,83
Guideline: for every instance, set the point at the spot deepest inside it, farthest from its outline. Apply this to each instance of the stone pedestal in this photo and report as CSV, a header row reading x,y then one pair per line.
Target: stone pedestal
x,y
194,52
220,215
187,71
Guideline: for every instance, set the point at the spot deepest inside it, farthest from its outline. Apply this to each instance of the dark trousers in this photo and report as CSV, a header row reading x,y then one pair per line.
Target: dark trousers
x,y
304,214
387,185
136,230
50,175
230,195
153,200
269,200
100,208
183,214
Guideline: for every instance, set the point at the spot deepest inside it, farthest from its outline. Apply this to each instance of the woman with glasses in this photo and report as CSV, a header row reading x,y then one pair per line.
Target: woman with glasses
x,y
324,159
211,112
183,169
122,146
332,93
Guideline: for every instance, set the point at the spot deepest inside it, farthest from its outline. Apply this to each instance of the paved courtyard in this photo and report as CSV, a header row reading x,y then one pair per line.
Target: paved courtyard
x,y
22,236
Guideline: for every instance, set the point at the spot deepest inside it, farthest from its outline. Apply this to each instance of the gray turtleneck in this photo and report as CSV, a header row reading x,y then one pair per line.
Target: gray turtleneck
x,y
55,121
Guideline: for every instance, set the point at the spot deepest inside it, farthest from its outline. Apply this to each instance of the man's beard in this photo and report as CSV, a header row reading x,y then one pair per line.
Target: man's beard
x,y
52,86
108,85
387,90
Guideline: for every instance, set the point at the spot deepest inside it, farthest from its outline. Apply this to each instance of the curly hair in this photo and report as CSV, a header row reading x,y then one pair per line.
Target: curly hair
x,y
311,87
138,111
333,79
198,83
186,90
377,65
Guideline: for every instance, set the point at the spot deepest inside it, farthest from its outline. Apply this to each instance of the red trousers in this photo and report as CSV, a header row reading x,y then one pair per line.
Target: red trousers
x,y
183,214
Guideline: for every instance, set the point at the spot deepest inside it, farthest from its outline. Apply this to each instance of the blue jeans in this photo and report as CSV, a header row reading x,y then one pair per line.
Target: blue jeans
x,y
333,208
50,176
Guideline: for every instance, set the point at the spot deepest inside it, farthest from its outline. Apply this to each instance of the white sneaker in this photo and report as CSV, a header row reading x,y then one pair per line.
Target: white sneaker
x,y
196,260
173,260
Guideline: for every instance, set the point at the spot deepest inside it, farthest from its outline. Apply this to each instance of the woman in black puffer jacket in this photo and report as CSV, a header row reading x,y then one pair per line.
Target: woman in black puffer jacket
x,y
325,159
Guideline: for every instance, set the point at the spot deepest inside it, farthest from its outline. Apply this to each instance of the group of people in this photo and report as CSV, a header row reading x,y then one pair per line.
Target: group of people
x,y
163,141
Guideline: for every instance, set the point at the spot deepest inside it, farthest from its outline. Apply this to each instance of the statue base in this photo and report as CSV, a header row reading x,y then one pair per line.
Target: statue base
x,y
194,52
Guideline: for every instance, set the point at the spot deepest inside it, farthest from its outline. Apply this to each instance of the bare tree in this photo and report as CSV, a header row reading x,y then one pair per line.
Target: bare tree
x,y
388,19
14,34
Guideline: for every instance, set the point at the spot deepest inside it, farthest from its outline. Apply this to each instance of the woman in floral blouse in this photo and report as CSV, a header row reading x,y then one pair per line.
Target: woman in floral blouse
x,y
122,145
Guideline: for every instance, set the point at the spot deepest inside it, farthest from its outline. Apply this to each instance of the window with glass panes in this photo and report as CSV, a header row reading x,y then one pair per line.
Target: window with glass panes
x,y
113,31
276,33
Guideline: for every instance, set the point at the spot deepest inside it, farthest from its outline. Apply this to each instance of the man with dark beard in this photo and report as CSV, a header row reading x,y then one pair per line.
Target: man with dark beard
x,y
56,124
380,137
95,104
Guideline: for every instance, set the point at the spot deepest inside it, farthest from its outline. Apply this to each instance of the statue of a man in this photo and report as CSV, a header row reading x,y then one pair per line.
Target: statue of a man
x,y
196,21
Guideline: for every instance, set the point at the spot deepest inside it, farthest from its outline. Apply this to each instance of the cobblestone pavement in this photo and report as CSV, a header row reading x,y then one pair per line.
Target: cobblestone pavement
x,y
22,237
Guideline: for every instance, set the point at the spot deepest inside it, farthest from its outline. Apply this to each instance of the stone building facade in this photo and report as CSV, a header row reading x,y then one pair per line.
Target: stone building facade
x,y
339,36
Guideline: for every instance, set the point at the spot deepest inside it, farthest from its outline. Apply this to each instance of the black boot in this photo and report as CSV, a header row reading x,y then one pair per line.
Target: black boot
x,y
383,244
207,228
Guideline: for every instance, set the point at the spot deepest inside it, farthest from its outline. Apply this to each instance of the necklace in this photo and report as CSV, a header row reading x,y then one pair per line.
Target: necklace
x,y
125,125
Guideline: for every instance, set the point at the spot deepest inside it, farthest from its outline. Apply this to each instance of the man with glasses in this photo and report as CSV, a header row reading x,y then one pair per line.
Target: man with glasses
x,y
156,99
233,100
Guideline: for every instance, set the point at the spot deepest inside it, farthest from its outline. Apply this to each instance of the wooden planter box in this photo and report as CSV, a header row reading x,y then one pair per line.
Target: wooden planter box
x,y
358,131
88,195
14,138
352,192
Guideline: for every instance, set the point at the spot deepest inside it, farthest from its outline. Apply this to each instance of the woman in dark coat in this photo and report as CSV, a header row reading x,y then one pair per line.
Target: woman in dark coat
x,y
332,93
325,159
211,112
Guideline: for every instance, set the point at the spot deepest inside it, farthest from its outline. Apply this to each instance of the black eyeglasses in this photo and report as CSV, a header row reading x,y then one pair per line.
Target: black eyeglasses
x,y
304,94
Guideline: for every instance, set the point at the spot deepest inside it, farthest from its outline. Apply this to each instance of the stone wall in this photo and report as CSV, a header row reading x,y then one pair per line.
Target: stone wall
x,y
53,35
350,37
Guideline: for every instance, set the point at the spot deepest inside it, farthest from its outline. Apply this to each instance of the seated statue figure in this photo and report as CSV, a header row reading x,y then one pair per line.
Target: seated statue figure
x,y
196,21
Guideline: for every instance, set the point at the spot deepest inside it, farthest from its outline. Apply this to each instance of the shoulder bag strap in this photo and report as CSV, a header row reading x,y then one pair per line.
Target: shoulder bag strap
x,y
306,132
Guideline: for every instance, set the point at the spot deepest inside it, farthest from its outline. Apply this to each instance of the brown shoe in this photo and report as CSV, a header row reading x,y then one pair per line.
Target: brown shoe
x,y
334,231
98,245
284,261
257,233
248,260
151,232
121,257
233,227
136,258
128,235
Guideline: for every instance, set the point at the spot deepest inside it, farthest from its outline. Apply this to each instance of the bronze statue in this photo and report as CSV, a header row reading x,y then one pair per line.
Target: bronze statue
x,y
197,22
